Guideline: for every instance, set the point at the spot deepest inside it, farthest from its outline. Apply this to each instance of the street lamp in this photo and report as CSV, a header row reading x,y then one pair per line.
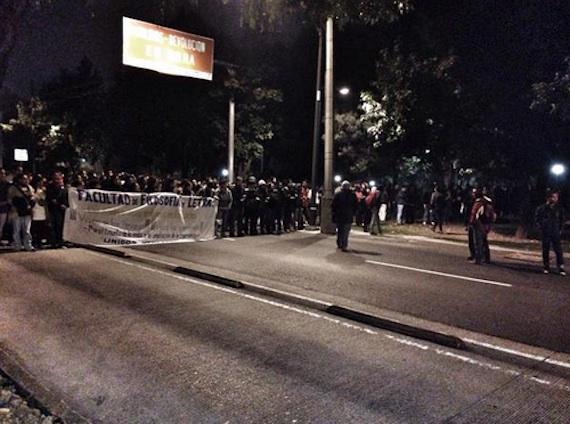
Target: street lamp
x,y
558,169
337,179
225,173
344,91
372,183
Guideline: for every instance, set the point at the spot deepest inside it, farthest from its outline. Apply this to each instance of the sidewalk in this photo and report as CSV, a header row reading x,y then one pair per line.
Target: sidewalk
x,y
499,237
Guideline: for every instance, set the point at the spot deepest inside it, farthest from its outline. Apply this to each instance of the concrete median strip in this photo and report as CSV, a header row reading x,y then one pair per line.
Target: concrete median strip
x,y
398,327
552,362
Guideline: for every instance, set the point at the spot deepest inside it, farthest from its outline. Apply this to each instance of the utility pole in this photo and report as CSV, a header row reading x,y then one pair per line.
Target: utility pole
x,y
317,127
327,226
231,140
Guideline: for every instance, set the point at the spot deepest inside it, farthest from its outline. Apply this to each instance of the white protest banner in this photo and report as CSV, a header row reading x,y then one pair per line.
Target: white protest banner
x,y
115,218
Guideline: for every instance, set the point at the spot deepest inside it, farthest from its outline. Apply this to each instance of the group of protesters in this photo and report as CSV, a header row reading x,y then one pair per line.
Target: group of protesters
x,y
34,208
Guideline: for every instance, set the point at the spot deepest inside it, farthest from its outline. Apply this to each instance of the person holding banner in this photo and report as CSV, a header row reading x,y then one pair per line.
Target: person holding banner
x,y
56,200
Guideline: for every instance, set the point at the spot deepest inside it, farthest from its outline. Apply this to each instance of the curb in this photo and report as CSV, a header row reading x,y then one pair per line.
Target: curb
x,y
41,395
539,362
398,327
105,250
208,277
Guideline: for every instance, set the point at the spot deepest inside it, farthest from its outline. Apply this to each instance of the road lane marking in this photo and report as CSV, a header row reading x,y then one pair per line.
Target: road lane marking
x,y
521,354
441,274
401,340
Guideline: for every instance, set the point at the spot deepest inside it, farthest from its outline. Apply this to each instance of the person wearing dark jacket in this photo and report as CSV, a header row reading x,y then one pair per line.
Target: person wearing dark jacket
x,y
549,217
56,200
236,219
480,220
437,203
21,197
401,202
343,209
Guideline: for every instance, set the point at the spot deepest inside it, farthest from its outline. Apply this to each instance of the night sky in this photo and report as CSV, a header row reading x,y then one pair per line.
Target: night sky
x,y
502,50
59,35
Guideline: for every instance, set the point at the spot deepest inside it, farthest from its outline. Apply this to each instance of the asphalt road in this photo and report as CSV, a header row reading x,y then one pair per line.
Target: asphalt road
x,y
510,298
119,342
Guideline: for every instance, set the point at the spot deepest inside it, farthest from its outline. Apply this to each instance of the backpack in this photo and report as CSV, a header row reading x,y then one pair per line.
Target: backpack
x,y
486,213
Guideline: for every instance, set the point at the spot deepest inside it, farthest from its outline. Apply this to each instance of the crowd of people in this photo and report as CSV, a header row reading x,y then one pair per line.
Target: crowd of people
x,y
473,206
32,208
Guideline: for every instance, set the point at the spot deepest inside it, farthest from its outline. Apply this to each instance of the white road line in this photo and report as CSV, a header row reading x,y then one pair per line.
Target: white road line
x,y
441,274
228,239
521,354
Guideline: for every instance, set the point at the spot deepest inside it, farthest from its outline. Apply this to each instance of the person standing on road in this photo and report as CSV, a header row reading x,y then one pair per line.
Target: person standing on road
x,y
344,206
56,200
225,200
549,217
236,213
4,205
39,228
251,206
384,202
468,205
437,203
401,201
21,197
375,227
481,218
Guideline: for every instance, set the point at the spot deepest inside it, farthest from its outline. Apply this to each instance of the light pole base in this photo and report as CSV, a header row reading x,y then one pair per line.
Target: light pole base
x,y
327,226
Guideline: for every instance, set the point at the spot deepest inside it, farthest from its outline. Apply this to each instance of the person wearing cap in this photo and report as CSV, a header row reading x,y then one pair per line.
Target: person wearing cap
x,y
264,210
549,217
344,206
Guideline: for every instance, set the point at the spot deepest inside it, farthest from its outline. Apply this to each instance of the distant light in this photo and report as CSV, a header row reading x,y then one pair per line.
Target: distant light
x,y
428,151
337,178
83,160
225,172
21,155
558,169
54,130
372,183
344,91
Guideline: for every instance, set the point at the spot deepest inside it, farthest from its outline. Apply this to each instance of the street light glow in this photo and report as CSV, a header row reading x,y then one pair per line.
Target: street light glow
x,y
558,169
225,172
337,178
372,183
344,91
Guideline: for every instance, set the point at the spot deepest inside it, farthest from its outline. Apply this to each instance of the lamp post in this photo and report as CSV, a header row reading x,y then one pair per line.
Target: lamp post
x,y
231,140
327,226
317,122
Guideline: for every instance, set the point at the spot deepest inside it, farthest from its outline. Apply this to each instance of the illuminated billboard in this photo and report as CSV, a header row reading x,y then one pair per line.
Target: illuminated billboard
x,y
166,50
